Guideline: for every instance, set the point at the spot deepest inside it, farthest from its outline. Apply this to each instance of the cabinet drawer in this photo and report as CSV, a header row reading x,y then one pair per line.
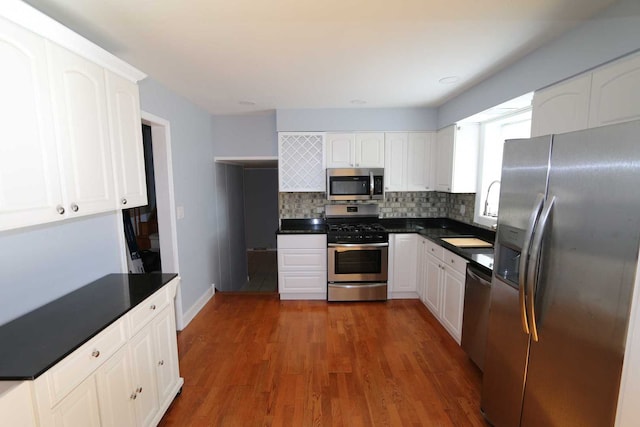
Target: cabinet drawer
x,y
302,259
454,261
147,310
73,369
434,249
302,282
304,241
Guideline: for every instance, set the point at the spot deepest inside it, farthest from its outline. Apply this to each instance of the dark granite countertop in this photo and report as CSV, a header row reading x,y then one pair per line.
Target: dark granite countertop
x,y
36,341
432,228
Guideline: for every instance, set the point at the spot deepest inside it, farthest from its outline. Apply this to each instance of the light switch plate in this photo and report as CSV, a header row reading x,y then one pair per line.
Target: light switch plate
x,y
180,212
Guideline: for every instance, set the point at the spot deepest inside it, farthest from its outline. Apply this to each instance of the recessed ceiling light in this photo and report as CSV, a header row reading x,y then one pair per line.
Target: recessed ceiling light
x,y
247,102
358,101
449,80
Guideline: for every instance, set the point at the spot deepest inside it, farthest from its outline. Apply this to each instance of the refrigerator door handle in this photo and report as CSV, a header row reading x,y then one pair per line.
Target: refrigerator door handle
x,y
524,261
532,276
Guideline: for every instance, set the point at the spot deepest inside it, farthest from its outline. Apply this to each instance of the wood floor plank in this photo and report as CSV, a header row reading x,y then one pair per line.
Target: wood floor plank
x,y
253,360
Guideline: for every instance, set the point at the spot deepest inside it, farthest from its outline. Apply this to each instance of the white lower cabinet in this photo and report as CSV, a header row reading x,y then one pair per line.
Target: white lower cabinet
x,y
302,266
16,404
403,261
129,383
442,275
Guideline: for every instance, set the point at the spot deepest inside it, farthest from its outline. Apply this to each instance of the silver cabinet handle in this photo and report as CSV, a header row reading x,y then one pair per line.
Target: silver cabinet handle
x,y
153,307
139,390
160,363
124,201
133,396
60,209
74,207
95,353
453,261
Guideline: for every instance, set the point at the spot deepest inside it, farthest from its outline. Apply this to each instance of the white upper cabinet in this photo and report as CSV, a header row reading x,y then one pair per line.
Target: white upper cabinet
x,y
395,160
126,138
301,162
561,108
341,150
66,124
30,190
355,150
410,161
369,150
421,161
605,96
80,108
615,93
457,158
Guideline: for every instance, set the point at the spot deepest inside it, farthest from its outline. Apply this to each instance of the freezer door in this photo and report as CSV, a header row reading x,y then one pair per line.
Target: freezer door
x,y
524,179
585,278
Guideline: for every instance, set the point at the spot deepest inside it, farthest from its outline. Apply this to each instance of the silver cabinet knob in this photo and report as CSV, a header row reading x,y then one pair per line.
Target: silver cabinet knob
x,y
60,209
74,207
133,396
153,307
160,363
139,390
124,201
95,353
453,261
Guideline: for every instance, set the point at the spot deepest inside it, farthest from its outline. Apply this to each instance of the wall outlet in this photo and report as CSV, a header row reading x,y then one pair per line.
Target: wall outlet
x,y
180,212
463,209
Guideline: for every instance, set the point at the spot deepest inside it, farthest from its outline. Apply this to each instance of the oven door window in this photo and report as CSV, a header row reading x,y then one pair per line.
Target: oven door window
x,y
358,261
349,186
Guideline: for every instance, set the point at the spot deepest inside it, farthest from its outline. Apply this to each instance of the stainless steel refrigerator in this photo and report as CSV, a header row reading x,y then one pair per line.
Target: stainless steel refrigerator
x,y
566,253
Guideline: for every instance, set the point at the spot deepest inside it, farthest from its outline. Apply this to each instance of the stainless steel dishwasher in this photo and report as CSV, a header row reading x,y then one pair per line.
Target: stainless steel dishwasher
x,y
477,297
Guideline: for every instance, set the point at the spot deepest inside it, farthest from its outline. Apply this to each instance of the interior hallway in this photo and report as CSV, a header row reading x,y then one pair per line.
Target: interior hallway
x,y
263,272
253,360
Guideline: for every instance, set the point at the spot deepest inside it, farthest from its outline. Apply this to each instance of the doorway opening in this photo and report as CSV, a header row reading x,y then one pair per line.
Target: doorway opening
x,y
248,219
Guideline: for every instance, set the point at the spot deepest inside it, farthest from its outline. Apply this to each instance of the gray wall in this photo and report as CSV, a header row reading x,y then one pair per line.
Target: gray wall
x,y
261,207
231,232
357,119
194,186
39,264
245,135
610,35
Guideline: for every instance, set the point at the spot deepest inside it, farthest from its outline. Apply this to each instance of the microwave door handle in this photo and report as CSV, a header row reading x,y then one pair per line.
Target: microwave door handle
x,y
371,184
536,249
524,261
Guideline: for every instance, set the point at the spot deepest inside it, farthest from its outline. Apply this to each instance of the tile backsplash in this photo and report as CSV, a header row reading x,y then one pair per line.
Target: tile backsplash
x,y
418,204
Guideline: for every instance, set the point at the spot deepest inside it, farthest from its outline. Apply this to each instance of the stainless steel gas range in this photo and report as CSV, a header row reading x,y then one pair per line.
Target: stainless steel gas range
x,y
357,253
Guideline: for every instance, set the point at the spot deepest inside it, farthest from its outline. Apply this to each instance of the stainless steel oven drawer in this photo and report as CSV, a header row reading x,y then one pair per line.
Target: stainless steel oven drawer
x,y
355,291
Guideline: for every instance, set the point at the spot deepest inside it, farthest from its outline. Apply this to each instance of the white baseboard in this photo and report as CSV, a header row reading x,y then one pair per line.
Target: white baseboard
x,y
190,314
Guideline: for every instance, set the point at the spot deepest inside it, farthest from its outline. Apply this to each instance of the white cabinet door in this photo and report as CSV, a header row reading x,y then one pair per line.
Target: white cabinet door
x,y
166,360
405,248
452,301
444,158
79,408
433,286
30,190
126,141
16,404
615,93
80,108
421,161
116,391
301,162
340,150
395,171
369,150
302,266
145,386
561,108
457,158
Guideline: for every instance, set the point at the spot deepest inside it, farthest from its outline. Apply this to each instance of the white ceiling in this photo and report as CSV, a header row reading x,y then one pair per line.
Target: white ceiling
x,y
319,54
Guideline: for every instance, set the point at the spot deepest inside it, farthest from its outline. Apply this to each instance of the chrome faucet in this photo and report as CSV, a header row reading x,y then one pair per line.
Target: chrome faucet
x,y
486,200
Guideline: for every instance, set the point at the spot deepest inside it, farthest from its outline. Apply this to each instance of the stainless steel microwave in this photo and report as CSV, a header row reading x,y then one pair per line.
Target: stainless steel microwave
x,y
355,184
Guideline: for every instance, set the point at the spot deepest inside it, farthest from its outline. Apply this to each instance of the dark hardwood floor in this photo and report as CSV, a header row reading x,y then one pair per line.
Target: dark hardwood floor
x,y
253,360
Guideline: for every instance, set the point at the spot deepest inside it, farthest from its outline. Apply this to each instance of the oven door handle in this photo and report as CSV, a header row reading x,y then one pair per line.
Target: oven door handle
x,y
357,245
